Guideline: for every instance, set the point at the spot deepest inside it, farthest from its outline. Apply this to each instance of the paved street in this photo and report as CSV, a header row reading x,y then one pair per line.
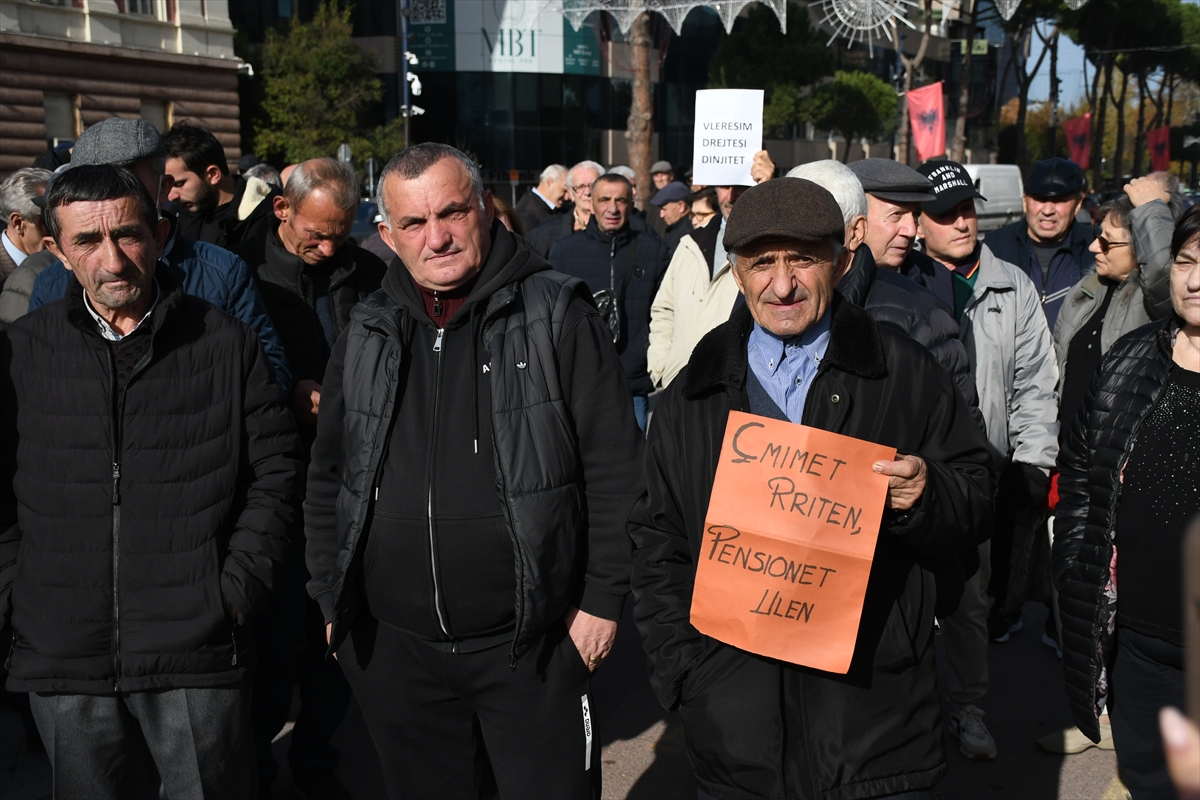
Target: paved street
x,y
645,756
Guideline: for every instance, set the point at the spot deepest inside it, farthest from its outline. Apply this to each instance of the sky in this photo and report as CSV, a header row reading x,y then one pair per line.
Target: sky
x,y
1070,71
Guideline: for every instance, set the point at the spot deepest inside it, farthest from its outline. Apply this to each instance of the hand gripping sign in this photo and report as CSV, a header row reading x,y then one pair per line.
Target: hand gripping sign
x,y
788,541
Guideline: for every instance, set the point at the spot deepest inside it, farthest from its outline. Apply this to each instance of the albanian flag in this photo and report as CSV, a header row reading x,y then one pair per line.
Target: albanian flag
x,y
1079,139
928,121
1159,142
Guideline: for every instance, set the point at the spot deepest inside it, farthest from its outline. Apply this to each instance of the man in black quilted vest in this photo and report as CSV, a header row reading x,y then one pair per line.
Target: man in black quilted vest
x,y
475,462
148,478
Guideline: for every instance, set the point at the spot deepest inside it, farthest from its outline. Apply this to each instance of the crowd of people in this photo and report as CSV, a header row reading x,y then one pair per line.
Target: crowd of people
x,y
245,454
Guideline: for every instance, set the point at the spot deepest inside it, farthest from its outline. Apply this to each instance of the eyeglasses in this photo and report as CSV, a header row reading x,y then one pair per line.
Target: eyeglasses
x,y
1106,245
701,216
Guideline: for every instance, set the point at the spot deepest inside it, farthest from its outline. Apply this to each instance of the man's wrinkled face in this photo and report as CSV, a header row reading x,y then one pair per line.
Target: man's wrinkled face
x,y
661,179
610,204
581,181
1049,218
950,236
891,230
197,193
112,250
439,228
314,229
788,283
674,211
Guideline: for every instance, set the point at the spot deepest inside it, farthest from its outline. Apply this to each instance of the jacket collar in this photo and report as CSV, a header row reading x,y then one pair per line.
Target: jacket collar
x,y
991,274
166,306
622,236
855,285
720,358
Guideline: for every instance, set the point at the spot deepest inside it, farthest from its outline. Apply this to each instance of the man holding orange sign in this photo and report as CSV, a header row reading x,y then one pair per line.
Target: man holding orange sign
x,y
802,472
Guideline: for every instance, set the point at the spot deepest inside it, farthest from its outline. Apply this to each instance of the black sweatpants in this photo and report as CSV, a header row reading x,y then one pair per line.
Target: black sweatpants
x,y
1147,675
427,709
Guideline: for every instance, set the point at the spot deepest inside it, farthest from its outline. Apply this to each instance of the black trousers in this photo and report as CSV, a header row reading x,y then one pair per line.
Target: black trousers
x,y
1147,675
109,747
438,718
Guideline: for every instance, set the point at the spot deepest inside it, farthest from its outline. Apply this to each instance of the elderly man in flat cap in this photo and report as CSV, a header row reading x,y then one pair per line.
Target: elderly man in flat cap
x,y
895,194
797,352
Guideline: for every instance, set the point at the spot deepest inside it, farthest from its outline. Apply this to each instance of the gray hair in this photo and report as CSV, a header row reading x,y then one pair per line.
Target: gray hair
x,y
412,162
265,173
626,172
583,165
552,172
1170,184
840,181
614,177
17,193
335,178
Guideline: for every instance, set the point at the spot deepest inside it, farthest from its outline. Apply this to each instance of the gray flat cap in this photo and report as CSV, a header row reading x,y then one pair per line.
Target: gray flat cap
x,y
661,166
117,141
892,181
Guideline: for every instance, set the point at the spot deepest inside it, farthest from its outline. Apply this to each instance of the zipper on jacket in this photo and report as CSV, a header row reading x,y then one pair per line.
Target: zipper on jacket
x,y
118,412
114,419
233,637
433,565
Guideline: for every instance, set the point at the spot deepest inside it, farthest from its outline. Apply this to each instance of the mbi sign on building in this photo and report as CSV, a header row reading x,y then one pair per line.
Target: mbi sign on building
x,y
499,36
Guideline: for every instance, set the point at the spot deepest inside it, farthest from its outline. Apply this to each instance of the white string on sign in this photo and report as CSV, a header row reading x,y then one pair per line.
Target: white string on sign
x,y
865,20
1008,7
624,12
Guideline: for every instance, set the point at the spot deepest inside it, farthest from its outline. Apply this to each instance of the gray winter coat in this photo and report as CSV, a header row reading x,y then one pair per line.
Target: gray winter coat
x,y
1012,355
14,300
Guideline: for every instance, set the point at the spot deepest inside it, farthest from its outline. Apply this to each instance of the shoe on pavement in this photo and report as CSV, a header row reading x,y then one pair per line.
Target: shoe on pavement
x,y
1052,643
999,628
1071,741
974,741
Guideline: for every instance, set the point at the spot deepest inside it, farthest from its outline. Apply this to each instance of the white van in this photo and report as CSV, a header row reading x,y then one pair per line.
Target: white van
x,y
1001,185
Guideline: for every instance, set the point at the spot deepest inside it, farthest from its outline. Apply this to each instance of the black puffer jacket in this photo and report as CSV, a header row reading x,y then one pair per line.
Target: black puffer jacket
x,y
1126,387
900,303
634,263
141,528
761,728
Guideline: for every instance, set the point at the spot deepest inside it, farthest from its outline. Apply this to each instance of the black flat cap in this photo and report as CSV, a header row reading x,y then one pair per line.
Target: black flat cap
x,y
1054,176
951,185
670,193
890,180
248,161
792,208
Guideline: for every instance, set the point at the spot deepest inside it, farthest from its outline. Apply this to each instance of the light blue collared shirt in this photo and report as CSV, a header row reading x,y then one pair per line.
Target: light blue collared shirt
x,y
786,367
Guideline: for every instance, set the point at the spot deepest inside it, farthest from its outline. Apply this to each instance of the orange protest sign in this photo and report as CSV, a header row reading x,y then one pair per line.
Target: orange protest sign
x,y
788,541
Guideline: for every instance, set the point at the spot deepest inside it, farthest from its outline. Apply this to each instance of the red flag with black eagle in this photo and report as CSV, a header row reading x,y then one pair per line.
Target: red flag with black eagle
x,y
928,119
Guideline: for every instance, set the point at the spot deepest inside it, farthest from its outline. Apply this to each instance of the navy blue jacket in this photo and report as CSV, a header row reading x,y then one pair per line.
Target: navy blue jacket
x,y
1011,243
206,271
635,262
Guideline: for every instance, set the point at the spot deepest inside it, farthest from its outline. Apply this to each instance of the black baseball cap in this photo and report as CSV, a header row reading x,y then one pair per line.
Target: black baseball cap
x,y
951,185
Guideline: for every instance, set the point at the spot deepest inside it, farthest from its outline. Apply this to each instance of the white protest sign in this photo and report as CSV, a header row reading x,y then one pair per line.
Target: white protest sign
x,y
728,133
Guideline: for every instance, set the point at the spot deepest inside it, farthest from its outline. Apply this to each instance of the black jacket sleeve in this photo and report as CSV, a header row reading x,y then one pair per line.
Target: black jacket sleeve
x,y
269,482
1070,515
954,512
10,531
664,570
610,447
324,484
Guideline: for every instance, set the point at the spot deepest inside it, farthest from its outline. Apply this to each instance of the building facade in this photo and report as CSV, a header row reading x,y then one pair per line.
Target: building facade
x,y
67,64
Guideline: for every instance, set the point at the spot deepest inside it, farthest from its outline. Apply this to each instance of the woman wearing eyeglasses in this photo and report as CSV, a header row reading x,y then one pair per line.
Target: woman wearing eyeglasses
x,y
1103,307
1129,484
